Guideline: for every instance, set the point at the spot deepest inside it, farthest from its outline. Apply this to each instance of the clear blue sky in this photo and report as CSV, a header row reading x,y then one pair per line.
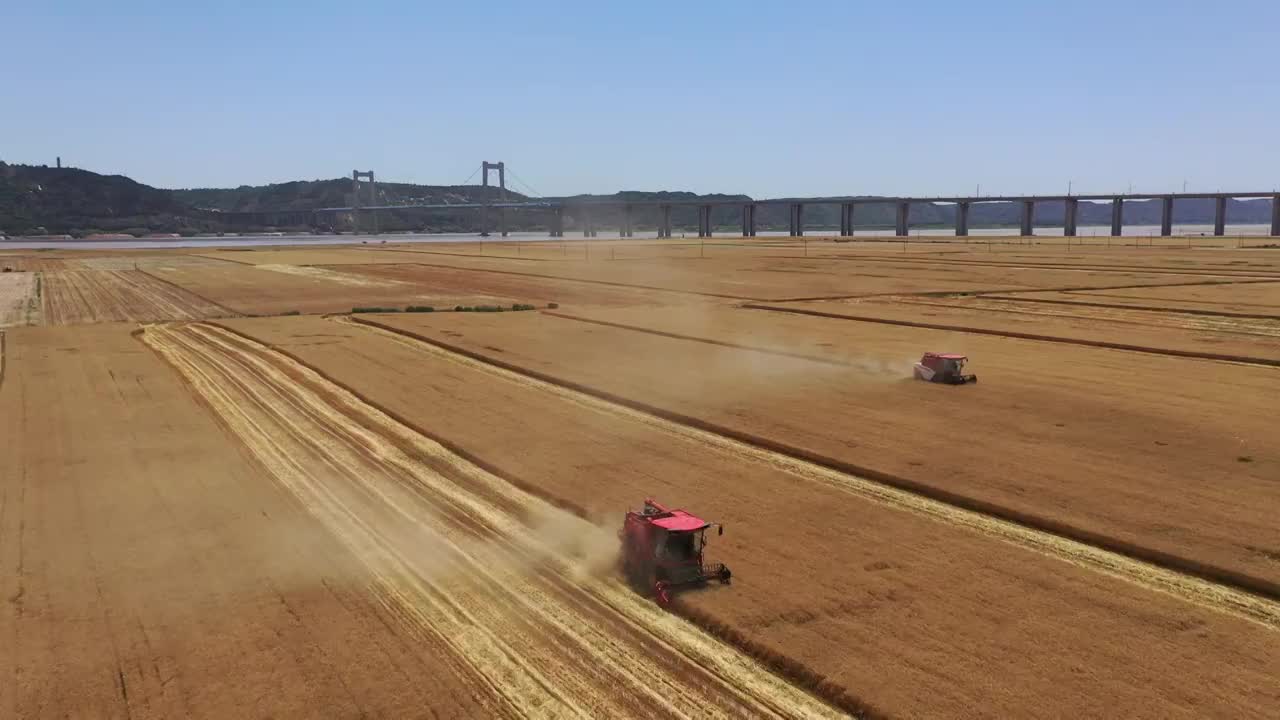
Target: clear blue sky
x,y
766,98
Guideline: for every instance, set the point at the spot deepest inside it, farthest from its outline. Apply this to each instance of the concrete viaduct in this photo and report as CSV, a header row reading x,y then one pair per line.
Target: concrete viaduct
x,y
582,211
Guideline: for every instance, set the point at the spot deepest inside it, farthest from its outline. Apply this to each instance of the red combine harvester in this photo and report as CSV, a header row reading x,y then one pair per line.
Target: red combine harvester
x,y
662,549
943,368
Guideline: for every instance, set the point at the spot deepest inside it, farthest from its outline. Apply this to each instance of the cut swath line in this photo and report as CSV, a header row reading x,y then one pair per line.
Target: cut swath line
x,y
546,640
1183,585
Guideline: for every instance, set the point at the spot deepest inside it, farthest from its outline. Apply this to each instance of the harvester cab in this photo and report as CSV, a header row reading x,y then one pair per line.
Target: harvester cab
x,y
662,549
943,368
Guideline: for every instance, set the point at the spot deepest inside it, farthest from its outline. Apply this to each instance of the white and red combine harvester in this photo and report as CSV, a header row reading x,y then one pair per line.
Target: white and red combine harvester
x,y
943,368
662,550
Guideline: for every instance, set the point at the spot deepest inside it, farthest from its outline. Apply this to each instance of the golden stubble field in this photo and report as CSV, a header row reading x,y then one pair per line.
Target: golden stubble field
x,y
223,494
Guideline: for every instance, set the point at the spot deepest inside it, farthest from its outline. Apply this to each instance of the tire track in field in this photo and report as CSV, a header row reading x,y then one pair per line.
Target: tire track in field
x,y
88,296
462,557
1152,575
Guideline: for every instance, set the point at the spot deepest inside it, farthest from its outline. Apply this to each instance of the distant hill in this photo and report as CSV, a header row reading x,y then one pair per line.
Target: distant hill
x,y
311,194
35,199
63,200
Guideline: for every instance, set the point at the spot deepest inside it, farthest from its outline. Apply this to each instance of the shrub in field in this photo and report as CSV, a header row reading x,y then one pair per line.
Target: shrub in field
x,y
419,308
291,312
553,306
518,307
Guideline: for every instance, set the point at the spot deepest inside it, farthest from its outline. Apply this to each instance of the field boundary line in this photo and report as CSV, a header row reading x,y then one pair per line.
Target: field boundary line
x,y
1240,359
211,256
1144,308
2,358
181,289
1019,526
781,665
695,338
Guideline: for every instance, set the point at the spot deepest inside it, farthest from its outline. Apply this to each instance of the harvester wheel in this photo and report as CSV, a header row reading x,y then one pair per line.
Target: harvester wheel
x,y
725,575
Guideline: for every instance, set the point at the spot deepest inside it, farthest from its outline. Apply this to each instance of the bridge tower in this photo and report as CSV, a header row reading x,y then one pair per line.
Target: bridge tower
x,y
501,167
356,177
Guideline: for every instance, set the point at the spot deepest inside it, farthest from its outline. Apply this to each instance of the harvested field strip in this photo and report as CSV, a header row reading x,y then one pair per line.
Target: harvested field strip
x,y
1144,308
1139,287
224,310
336,276
1023,336
997,291
1153,269
119,295
502,582
1222,590
586,281
500,245
19,298
1,359
694,338
1123,315
1148,298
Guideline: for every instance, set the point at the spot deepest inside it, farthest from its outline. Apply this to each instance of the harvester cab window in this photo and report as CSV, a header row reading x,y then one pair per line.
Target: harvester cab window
x,y
680,546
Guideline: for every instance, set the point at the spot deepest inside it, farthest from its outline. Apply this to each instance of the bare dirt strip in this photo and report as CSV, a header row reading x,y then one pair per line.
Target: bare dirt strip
x,y
914,601
96,296
519,593
1073,448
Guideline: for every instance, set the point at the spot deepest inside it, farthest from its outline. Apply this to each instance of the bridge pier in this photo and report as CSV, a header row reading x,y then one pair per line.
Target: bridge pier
x,y
556,224
1117,217
664,227
627,230
704,221
901,225
749,220
1166,216
1275,216
962,219
588,228
846,220
797,220
1070,207
1219,216
1027,221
